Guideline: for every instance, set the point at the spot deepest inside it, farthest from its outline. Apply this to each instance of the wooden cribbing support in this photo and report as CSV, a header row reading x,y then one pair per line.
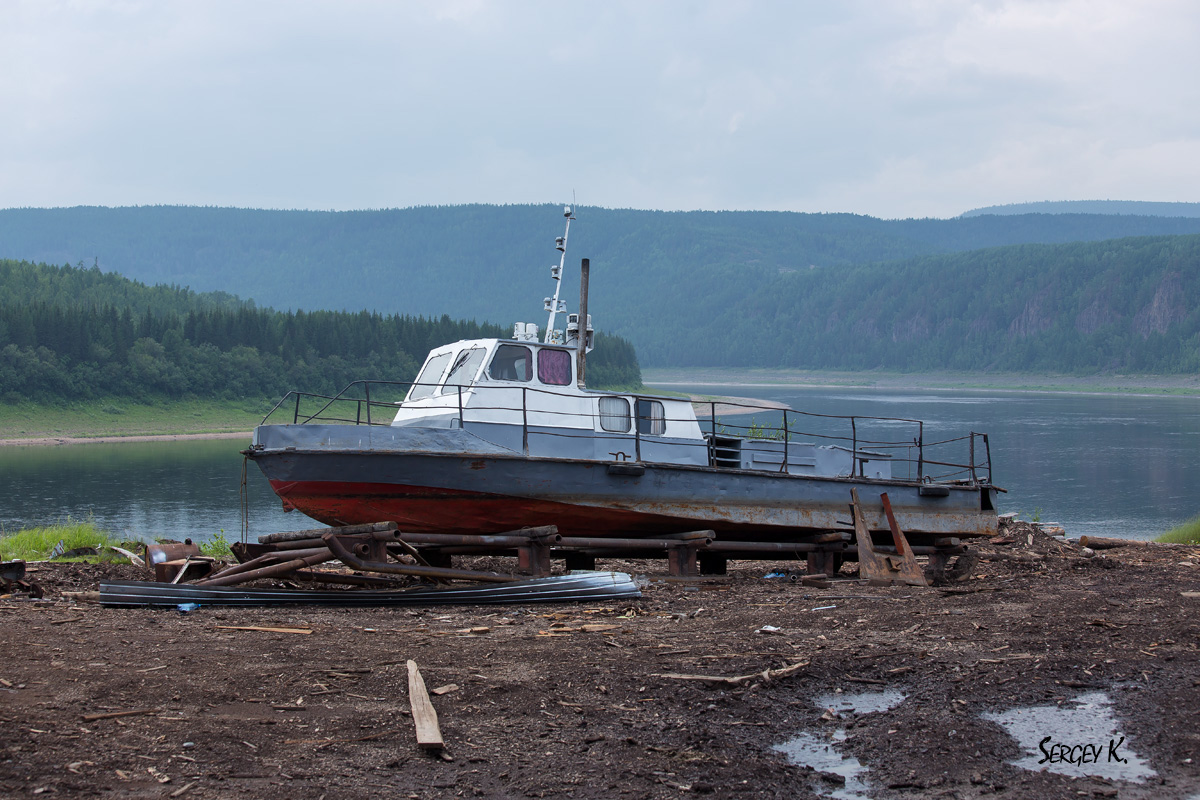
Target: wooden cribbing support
x,y
429,735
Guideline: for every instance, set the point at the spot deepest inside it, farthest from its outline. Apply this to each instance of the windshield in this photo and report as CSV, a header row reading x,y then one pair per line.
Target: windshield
x,y
512,362
430,377
464,369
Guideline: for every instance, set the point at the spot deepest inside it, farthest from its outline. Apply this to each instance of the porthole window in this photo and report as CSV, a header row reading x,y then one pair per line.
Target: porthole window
x,y
614,414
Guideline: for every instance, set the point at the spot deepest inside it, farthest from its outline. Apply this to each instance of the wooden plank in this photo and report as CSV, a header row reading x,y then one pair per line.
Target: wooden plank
x,y
429,735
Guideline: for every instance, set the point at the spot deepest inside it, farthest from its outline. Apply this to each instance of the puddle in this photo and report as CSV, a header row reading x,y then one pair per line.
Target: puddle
x,y
820,752
861,703
1087,736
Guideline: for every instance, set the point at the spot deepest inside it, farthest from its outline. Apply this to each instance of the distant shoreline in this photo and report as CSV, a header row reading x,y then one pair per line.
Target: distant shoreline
x,y
52,441
1134,385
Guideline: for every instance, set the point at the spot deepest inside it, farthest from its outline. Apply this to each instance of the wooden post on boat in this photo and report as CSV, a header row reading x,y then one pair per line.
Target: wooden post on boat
x,y
585,267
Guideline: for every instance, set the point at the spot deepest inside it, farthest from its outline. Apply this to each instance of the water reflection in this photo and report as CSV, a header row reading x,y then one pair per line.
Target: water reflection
x,y
140,489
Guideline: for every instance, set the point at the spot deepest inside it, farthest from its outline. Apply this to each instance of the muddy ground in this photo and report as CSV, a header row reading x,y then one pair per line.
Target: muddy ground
x,y
545,707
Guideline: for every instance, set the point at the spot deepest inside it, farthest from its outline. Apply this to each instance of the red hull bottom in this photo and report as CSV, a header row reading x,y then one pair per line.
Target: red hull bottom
x,y
431,510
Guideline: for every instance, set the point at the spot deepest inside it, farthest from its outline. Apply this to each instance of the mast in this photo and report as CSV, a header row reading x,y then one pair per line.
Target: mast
x,y
553,304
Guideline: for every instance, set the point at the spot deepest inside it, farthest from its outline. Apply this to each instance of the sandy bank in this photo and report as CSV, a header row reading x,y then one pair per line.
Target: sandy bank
x,y
43,441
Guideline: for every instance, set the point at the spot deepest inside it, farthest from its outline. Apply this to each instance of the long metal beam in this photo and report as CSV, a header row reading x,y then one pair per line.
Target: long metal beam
x,y
559,588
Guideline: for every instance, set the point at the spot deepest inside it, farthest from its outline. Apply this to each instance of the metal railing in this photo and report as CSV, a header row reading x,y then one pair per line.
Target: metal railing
x,y
857,434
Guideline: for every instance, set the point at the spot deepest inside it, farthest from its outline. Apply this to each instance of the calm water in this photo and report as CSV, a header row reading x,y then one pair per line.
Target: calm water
x,y
1101,465
142,490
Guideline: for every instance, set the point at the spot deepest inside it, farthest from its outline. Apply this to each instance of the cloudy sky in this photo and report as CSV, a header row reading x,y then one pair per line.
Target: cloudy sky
x,y
894,108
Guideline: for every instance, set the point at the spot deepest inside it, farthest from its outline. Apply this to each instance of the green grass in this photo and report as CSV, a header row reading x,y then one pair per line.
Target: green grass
x,y
123,417
36,544
1187,533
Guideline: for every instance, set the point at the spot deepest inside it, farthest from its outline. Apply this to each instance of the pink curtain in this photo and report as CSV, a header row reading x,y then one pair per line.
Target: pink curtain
x,y
554,367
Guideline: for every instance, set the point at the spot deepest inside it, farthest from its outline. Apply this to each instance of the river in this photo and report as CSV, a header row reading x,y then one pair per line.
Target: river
x,y
1108,465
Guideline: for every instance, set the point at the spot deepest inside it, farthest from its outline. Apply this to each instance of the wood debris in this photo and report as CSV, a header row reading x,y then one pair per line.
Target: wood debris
x,y
766,676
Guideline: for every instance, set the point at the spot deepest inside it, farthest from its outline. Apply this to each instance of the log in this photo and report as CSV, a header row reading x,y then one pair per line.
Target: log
x,y
1103,543
429,735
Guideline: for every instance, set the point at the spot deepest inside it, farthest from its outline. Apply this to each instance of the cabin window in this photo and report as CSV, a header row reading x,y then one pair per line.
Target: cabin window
x,y
512,362
614,414
464,369
554,368
430,377
652,419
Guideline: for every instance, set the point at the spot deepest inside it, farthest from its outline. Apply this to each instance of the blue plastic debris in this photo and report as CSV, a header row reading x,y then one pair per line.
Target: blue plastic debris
x,y
184,608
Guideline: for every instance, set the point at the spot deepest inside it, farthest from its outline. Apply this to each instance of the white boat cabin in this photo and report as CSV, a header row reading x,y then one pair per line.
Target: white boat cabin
x,y
503,381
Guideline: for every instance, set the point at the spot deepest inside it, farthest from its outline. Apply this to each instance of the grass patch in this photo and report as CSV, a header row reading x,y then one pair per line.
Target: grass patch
x,y
36,544
1187,533
124,417
217,547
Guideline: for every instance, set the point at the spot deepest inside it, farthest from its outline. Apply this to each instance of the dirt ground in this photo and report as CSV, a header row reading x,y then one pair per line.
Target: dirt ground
x,y
546,707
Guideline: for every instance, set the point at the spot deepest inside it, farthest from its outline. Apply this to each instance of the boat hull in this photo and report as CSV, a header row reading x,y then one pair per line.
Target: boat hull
x,y
491,493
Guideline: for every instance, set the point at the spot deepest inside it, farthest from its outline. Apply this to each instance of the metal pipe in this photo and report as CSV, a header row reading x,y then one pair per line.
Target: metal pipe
x,y
626,544
475,540
272,571
350,580
768,547
317,533
351,560
265,558
585,268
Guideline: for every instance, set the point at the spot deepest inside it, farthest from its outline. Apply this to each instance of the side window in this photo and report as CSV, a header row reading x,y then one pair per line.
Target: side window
x,y
464,369
554,368
512,362
426,383
614,414
652,419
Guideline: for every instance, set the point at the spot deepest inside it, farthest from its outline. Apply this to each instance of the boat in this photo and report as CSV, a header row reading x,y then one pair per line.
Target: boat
x,y
496,435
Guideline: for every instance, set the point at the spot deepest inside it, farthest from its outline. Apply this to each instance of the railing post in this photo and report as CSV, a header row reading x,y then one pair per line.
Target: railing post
x,y
637,430
367,390
296,415
524,422
358,412
920,451
460,414
972,455
987,449
712,419
853,448
785,443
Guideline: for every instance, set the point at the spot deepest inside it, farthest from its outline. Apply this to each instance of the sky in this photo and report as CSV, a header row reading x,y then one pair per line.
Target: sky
x,y
893,108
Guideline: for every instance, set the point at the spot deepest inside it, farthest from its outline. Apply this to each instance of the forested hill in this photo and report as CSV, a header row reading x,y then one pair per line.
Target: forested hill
x,y
1134,207
77,334
1129,305
491,262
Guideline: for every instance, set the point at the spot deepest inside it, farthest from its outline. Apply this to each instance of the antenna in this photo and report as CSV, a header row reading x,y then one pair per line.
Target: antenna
x,y
553,304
